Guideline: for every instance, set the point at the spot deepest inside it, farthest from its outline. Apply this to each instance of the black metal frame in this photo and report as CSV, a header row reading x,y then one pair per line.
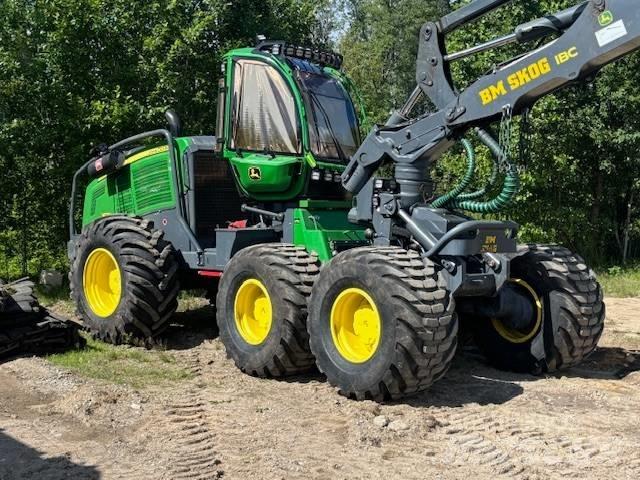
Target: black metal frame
x,y
284,49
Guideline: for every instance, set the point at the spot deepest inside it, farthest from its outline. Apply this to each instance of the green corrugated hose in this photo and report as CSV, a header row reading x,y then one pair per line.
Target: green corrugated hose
x,y
493,178
445,199
510,189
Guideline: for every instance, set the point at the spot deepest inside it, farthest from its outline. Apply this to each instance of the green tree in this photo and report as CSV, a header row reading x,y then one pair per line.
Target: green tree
x,y
380,49
76,73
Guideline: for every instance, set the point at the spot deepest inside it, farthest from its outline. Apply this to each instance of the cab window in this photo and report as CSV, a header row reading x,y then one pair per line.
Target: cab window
x,y
264,115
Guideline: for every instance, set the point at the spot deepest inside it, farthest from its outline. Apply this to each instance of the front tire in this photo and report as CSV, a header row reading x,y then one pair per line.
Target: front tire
x,y
382,324
124,279
570,314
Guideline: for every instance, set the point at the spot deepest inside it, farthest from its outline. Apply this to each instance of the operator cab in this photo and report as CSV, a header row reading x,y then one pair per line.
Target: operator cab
x,y
287,123
286,128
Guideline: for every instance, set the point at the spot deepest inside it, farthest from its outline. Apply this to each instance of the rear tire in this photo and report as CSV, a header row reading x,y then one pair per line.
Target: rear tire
x,y
416,336
572,314
143,279
276,278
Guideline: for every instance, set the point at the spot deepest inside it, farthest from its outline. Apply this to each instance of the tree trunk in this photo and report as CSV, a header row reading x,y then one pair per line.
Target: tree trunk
x,y
627,228
597,197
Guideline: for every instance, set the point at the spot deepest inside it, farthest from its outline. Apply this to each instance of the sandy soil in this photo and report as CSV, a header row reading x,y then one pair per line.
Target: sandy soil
x,y
476,423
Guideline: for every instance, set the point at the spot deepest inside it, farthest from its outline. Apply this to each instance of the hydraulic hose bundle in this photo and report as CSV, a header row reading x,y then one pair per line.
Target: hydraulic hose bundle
x,y
457,199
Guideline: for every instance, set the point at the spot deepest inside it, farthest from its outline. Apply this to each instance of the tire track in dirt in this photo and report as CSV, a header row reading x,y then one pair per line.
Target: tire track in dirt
x,y
195,457
470,440
509,447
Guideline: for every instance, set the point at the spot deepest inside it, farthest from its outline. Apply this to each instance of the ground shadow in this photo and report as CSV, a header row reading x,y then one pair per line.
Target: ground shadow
x,y
469,380
613,363
606,363
19,461
314,375
191,328
472,380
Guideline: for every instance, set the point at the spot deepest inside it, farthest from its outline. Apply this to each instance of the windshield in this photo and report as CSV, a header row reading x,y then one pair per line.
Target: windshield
x,y
333,123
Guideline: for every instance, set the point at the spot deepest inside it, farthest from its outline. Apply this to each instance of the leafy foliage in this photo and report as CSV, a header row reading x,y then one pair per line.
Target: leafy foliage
x,y
77,73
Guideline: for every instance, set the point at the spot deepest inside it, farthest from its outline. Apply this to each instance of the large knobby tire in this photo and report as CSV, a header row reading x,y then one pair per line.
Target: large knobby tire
x,y
382,323
262,309
570,311
124,279
19,312
17,302
26,327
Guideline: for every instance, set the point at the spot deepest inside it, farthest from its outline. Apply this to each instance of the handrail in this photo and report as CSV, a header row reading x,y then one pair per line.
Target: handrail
x,y
176,180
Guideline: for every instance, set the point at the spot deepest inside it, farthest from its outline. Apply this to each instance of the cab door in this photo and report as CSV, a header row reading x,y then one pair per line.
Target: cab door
x,y
264,140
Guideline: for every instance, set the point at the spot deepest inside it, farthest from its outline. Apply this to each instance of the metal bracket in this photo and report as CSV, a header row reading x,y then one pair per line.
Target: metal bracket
x,y
432,72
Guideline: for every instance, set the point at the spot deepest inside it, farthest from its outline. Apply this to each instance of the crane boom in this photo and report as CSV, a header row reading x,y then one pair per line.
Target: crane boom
x,y
591,35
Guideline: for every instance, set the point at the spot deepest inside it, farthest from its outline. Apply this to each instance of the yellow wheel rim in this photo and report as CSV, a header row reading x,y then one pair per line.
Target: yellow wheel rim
x,y
355,325
253,312
516,336
102,282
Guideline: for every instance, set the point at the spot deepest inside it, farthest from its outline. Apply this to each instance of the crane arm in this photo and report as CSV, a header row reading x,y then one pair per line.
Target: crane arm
x,y
591,35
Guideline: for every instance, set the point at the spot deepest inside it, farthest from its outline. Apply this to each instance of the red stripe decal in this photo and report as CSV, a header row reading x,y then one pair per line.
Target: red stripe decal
x,y
210,273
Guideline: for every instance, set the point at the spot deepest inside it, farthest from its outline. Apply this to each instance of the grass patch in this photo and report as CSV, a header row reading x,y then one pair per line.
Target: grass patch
x,y
48,296
121,364
620,282
57,300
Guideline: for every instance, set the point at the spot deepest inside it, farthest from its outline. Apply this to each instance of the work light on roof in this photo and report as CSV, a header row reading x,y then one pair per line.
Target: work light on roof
x,y
314,55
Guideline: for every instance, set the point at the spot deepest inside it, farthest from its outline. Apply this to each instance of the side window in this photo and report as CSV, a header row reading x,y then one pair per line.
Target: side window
x,y
264,111
220,113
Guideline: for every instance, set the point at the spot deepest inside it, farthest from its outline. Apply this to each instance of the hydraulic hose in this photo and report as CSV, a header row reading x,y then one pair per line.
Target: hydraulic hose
x,y
493,178
464,183
510,187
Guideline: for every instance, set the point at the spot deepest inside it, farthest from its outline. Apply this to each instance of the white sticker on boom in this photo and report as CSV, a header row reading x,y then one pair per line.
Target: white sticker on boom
x,y
611,33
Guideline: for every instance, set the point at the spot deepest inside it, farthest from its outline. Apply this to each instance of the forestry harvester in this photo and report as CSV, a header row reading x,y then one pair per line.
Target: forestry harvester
x,y
317,259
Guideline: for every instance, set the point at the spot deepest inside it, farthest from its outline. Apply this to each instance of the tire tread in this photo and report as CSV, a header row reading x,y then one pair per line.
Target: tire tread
x,y
578,312
296,270
426,322
151,272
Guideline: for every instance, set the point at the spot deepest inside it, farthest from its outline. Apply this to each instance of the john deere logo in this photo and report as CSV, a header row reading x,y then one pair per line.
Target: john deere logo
x,y
605,18
255,173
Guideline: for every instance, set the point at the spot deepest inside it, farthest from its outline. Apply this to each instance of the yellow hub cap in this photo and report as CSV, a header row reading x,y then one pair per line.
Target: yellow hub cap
x,y
355,325
517,336
253,311
102,282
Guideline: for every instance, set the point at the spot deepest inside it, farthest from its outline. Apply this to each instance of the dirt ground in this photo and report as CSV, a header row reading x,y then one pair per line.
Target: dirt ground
x,y
476,423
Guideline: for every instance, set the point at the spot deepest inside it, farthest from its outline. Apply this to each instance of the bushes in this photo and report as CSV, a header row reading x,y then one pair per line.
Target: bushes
x,y
77,73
